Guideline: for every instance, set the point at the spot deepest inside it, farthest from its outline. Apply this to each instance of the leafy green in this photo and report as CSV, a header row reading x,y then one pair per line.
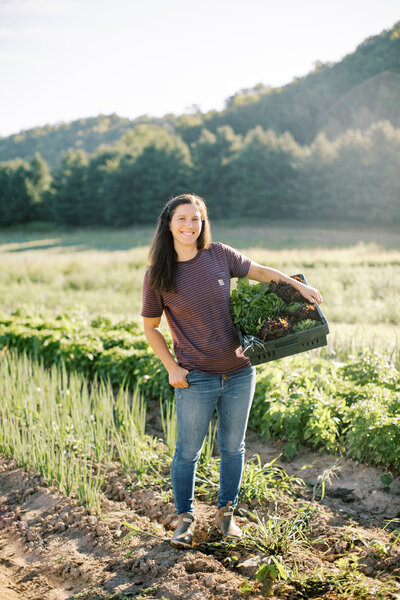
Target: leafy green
x,y
252,304
293,306
305,324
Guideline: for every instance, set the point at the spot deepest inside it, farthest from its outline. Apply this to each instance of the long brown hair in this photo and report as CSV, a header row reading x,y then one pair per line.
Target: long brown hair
x,y
162,255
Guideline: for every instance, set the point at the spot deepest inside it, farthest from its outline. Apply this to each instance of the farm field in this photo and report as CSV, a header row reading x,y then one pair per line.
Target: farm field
x,y
102,273
85,503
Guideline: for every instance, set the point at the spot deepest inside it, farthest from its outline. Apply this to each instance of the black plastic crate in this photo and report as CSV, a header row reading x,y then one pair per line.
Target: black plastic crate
x,y
293,343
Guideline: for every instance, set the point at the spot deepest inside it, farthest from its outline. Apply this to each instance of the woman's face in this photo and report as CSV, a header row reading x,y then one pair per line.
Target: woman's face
x,y
186,224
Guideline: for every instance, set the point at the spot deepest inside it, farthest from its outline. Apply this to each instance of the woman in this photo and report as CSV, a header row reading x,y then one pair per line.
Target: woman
x,y
189,280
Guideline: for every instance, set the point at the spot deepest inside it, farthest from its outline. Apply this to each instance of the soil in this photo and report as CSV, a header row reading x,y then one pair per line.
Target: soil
x,y
52,549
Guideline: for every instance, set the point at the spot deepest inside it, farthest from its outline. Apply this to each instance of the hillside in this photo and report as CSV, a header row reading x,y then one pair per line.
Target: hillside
x,y
84,134
362,88
376,99
299,106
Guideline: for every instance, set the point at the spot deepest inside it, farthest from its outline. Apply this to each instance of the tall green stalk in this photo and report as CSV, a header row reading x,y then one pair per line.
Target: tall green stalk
x,y
67,430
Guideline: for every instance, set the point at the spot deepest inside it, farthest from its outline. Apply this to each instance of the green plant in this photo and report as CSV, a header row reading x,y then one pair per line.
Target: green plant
x,y
306,324
276,535
272,570
209,443
395,533
263,482
371,367
351,407
252,304
64,428
116,352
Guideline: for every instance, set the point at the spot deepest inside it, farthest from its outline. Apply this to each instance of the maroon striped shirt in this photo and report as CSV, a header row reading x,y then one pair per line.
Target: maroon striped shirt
x,y
198,314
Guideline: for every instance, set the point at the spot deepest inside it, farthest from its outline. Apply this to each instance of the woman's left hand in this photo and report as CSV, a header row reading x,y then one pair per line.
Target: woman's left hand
x,y
312,294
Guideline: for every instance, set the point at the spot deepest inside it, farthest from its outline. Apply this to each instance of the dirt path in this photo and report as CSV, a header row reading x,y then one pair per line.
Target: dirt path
x,y
354,488
21,575
52,549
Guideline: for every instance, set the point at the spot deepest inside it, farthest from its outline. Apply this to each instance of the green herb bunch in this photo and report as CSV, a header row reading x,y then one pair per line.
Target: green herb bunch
x,y
252,304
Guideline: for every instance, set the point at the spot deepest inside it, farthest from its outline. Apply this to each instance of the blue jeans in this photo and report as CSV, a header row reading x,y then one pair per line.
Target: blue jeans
x,y
232,396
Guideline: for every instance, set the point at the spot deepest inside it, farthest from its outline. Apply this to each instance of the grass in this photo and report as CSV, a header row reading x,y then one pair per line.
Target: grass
x,y
75,240
276,235
347,583
101,272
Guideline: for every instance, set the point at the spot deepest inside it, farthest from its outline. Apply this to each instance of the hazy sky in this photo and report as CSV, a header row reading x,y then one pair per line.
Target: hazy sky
x,y
62,60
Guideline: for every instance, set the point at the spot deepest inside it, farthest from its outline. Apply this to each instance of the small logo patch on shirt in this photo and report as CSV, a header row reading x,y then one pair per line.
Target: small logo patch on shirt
x,y
221,282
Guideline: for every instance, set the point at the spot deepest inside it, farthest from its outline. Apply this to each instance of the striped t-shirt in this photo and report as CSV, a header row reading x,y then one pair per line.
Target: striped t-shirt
x,y
198,314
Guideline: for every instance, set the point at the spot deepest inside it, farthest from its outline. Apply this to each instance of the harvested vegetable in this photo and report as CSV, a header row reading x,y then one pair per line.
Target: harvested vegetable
x,y
306,324
274,328
252,304
288,315
294,306
266,311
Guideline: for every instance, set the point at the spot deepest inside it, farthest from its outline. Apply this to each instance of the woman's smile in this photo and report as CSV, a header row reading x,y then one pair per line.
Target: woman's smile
x,y
185,225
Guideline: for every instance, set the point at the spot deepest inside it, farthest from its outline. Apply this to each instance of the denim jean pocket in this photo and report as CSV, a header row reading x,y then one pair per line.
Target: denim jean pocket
x,y
191,375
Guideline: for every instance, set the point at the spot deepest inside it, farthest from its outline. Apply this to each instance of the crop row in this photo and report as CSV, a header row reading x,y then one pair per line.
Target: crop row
x,y
70,431
99,348
351,407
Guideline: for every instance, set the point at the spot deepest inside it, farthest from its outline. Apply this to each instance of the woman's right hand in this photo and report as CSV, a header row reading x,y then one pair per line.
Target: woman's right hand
x,y
177,377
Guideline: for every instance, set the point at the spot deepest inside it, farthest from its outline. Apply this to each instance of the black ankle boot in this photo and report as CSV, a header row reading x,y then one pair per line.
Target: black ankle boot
x,y
183,535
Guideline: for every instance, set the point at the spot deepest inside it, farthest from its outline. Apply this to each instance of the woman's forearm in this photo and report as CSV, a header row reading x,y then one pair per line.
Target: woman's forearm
x,y
159,345
176,373
267,274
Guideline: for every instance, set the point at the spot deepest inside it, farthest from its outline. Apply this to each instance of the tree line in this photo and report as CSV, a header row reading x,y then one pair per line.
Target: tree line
x,y
256,176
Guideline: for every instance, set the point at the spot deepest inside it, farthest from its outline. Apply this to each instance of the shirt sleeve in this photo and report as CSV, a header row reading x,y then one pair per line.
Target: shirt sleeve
x,y
152,304
239,264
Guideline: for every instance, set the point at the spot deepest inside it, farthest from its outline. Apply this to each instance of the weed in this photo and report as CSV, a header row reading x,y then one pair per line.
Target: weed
x,y
273,569
395,533
276,535
325,476
263,482
347,583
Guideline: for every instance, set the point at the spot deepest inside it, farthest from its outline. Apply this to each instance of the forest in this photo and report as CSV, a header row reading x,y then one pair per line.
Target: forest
x,y
324,147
